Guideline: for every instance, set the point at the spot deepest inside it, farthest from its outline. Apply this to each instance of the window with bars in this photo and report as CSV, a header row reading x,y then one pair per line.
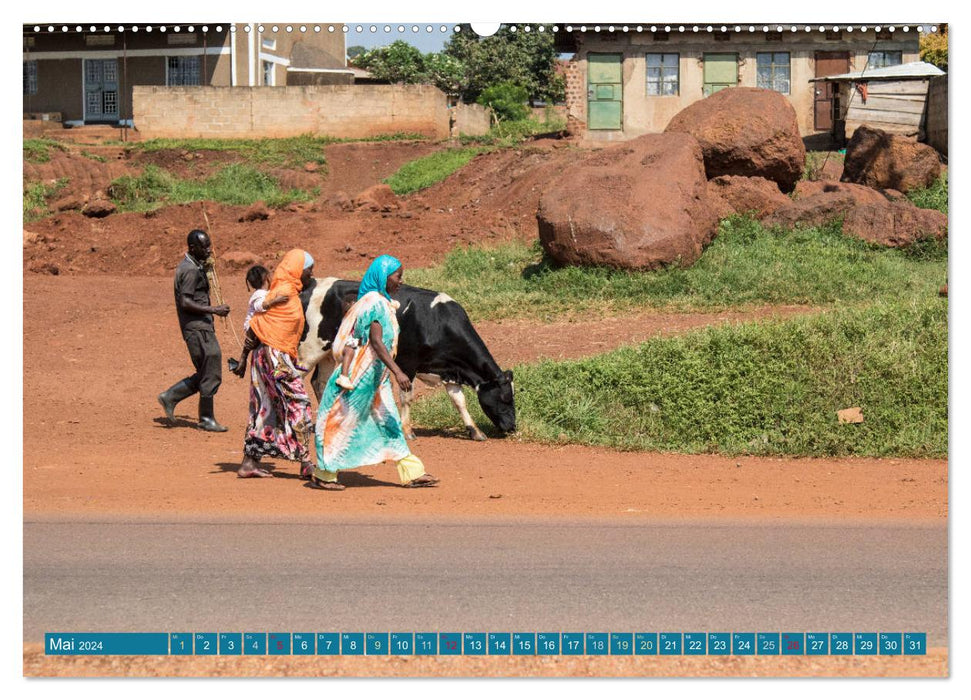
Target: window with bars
x,y
883,59
772,71
663,75
183,70
30,77
268,73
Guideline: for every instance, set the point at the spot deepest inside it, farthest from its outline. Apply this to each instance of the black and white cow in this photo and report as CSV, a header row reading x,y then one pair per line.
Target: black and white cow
x,y
437,344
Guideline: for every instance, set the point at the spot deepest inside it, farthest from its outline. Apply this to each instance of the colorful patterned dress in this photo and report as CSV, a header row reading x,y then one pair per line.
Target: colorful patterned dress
x,y
281,420
361,426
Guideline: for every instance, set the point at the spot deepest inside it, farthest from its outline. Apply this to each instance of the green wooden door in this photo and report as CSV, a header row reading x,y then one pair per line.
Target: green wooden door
x,y
721,71
605,91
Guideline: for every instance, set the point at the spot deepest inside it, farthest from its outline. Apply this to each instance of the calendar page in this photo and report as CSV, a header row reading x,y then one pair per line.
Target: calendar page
x,y
520,349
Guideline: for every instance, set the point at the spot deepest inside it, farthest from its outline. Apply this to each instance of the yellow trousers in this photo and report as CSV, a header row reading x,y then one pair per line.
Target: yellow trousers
x,y
409,469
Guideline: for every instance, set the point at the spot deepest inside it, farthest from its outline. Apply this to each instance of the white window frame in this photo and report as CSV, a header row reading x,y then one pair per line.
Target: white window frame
x,y
660,81
269,70
269,44
772,67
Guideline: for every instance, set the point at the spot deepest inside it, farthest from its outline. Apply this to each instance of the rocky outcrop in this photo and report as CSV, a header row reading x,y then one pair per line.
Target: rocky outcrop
x,y
889,161
746,131
640,205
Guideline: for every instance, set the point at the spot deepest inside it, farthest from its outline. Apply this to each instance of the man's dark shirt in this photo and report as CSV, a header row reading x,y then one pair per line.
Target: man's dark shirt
x,y
190,280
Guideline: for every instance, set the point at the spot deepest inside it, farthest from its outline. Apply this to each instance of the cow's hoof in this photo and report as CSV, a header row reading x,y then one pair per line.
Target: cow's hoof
x,y
476,434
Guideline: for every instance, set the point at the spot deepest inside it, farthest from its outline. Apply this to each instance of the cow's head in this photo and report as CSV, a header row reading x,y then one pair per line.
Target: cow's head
x,y
496,399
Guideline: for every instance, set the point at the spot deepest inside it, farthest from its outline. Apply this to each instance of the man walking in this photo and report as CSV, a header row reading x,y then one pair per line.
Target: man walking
x,y
195,321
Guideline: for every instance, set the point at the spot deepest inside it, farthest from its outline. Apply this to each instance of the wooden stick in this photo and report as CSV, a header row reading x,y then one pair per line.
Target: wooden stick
x,y
214,288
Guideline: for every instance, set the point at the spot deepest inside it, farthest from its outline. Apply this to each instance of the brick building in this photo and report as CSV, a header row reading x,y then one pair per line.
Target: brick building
x,y
624,84
86,73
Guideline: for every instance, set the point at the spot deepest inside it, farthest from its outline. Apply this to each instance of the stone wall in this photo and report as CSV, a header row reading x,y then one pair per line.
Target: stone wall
x,y
341,111
935,125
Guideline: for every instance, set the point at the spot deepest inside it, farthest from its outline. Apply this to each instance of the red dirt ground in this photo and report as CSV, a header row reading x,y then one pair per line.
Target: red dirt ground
x,y
101,340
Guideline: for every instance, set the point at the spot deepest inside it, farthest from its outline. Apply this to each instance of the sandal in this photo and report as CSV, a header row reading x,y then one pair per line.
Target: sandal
x,y
326,485
423,480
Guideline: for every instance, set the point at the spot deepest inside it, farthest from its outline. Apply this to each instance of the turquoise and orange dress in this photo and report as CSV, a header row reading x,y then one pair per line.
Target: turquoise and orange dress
x,y
362,426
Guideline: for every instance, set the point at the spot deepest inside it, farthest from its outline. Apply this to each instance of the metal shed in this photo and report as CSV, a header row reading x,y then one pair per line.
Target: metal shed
x,y
893,99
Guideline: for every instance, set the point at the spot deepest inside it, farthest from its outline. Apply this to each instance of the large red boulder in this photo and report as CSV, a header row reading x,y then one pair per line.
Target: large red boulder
x,y
889,161
748,195
638,205
818,203
746,131
896,224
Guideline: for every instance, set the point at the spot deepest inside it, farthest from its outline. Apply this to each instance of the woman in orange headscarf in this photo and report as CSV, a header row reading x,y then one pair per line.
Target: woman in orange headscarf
x,y
281,423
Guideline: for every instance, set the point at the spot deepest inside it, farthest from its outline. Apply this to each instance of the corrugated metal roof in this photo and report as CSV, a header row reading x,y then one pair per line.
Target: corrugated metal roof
x,y
917,69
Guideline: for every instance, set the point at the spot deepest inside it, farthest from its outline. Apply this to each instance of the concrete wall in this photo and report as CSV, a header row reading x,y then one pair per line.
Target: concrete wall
x,y
649,114
936,122
354,111
470,120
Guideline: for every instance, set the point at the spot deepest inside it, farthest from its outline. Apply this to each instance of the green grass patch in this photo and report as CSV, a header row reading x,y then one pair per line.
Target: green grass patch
x,y
934,197
426,171
94,156
36,196
233,184
746,265
512,133
287,152
758,388
39,150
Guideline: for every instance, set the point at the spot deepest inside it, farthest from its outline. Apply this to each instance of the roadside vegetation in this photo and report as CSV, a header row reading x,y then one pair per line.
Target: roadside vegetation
x,y
746,265
756,388
934,197
39,150
37,195
233,184
426,171
878,342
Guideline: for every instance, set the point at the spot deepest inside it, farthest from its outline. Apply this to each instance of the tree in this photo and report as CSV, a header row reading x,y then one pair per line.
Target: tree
x,y
354,51
398,63
444,72
403,63
507,101
933,47
524,58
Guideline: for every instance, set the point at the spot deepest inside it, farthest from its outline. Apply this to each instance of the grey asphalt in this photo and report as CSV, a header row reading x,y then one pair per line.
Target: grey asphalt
x,y
532,576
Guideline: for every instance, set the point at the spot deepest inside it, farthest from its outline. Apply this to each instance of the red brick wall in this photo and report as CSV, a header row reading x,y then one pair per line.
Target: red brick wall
x,y
576,98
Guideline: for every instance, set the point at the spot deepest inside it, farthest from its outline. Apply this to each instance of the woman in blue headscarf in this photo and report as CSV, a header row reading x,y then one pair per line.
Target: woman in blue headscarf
x,y
361,426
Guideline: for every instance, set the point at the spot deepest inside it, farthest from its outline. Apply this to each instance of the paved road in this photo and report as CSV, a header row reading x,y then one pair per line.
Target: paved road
x,y
416,575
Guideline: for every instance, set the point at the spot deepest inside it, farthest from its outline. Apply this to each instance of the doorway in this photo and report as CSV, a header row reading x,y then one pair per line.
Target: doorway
x,y
605,91
101,90
826,106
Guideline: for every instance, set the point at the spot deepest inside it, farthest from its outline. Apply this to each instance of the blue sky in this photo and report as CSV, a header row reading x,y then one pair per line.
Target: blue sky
x,y
424,40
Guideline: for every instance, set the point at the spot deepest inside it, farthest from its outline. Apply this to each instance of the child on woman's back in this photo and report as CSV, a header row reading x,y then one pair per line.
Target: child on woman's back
x,y
257,279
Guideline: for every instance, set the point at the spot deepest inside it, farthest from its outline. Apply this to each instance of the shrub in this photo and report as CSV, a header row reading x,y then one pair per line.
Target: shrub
x,y
507,101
